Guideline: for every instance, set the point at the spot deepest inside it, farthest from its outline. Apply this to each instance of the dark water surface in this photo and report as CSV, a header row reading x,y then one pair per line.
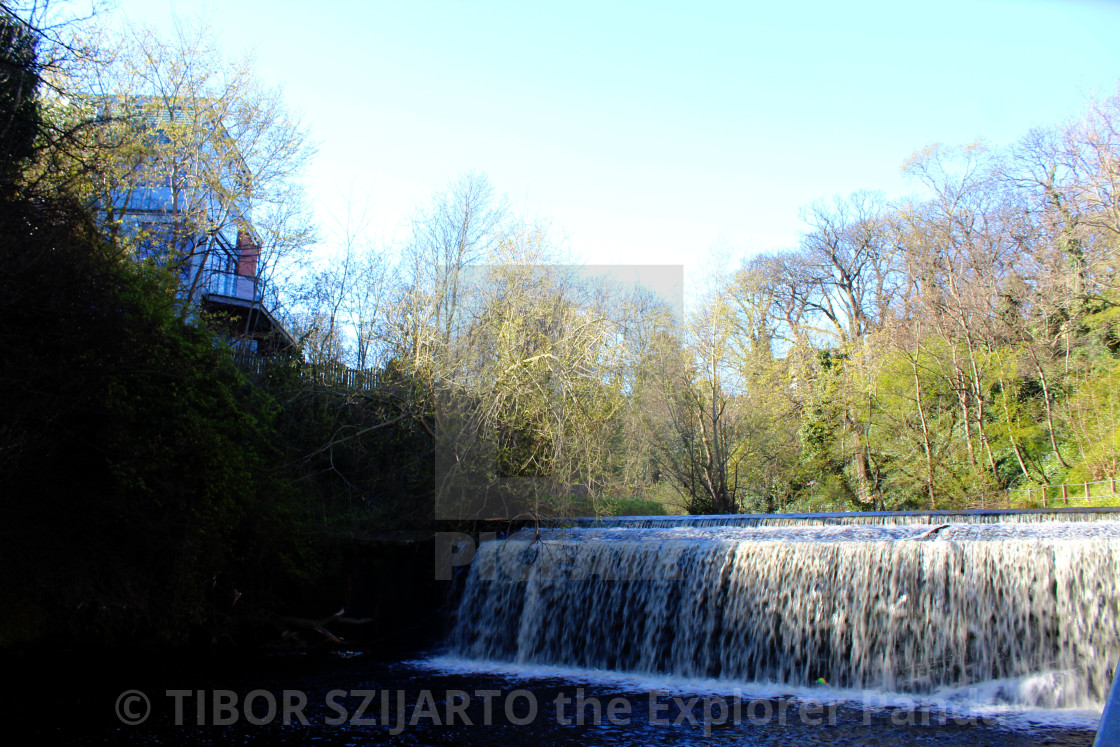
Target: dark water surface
x,y
418,703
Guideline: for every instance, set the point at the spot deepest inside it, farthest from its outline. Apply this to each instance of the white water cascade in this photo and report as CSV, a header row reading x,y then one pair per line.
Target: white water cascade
x,y
1027,610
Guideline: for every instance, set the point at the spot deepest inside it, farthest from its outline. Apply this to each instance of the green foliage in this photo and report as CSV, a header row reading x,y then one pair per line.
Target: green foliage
x,y
820,430
1094,425
20,116
360,458
146,485
634,507
139,475
141,493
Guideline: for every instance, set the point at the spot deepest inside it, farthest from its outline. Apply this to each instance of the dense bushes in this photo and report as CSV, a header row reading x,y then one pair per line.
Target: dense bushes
x,y
141,481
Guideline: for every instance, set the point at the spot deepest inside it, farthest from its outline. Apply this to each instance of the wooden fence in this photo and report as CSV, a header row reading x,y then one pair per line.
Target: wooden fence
x,y
335,376
1049,496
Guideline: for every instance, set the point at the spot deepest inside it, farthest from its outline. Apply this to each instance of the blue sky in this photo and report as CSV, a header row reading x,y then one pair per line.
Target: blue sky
x,y
656,132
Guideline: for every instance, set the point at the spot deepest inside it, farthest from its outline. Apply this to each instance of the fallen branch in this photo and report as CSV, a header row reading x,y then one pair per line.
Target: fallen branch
x,y
931,532
320,626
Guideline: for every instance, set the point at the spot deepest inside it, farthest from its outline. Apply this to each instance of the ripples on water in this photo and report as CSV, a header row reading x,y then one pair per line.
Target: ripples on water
x,y
649,712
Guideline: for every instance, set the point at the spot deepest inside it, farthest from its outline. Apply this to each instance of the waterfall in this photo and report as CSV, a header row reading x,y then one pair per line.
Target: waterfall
x,y
1029,609
876,518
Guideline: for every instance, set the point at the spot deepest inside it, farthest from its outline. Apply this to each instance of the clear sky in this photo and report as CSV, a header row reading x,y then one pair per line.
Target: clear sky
x,y
651,132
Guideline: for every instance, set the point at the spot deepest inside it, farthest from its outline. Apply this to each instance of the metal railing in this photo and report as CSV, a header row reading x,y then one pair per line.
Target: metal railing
x,y
232,285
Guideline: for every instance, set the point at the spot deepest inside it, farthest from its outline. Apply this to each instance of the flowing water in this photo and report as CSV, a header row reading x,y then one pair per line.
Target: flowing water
x,y
876,518
347,699
1004,614
945,629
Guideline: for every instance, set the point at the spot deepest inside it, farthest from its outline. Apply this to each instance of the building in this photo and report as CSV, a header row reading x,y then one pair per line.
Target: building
x,y
182,199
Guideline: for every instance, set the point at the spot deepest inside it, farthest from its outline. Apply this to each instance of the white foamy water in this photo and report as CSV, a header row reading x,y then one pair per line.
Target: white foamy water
x,y
1019,617
876,518
990,700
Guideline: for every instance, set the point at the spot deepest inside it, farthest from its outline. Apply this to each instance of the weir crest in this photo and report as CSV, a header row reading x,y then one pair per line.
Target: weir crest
x,y
1026,610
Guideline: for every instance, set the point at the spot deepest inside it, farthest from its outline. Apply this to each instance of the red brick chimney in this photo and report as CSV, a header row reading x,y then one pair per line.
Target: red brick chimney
x,y
247,255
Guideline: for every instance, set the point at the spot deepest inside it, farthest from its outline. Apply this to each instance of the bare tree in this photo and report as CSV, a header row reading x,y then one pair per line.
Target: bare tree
x,y
963,246
191,151
460,230
848,263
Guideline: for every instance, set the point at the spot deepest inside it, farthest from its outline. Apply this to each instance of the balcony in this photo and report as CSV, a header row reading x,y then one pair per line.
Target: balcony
x,y
230,285
237,299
